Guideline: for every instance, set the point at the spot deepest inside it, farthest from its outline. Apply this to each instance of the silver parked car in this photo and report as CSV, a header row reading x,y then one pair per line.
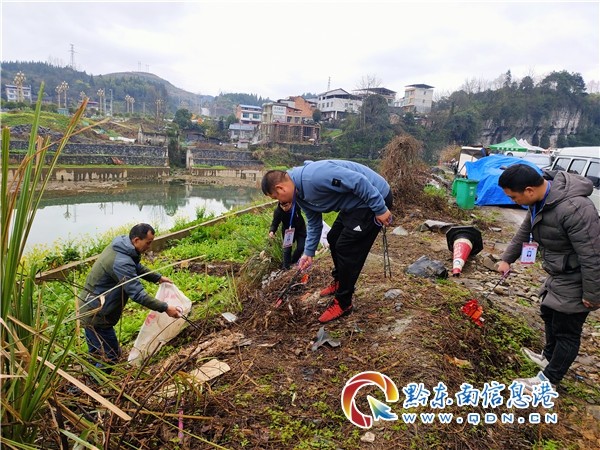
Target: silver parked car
x,y
583,161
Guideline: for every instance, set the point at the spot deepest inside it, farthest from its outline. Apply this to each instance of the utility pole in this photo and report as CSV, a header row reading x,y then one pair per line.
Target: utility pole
x,y
72,56
102,101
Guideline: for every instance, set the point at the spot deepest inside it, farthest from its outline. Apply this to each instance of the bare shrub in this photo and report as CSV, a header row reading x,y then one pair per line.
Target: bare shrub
x,y
404,169
450,152
407,175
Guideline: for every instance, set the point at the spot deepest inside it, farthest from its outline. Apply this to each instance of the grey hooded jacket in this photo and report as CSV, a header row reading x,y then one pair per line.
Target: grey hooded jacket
x,y
119,261
567,229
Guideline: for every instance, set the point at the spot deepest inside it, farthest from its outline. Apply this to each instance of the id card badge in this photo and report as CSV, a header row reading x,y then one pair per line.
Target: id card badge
x,y
528,252
288,238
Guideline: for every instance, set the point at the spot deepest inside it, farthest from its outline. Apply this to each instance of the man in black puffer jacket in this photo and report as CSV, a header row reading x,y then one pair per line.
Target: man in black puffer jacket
x,y
110,284
564,222
282,214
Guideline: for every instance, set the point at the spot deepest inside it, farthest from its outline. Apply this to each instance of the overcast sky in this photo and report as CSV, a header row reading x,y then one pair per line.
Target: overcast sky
x,y
280,48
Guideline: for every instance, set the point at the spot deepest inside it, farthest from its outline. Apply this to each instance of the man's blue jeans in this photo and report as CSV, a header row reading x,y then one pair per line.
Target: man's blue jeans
x,y
563,337
103,344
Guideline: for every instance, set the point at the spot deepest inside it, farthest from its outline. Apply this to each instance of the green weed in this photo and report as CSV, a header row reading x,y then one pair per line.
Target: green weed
x,y
435,192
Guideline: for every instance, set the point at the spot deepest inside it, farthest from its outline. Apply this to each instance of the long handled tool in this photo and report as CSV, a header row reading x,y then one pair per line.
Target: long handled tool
x,y
281,296
486,296
187,319
387,266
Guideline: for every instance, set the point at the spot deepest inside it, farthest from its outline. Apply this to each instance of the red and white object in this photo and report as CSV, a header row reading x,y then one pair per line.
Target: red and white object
x,y
461,251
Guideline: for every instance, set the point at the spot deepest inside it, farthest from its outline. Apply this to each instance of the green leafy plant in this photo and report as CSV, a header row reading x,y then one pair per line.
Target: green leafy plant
x,y
32,350
433,191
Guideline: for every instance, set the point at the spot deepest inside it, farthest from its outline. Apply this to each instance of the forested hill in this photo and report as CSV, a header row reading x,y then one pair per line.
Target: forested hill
x,y
144,87
555,112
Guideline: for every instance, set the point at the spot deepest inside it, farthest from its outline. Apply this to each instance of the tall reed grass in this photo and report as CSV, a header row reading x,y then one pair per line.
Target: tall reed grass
x,y
32,354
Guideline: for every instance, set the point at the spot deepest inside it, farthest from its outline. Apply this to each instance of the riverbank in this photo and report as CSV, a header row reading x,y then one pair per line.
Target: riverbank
x,y
177,176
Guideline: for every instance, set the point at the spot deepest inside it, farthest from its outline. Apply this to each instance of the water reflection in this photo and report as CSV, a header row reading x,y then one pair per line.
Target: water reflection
x,y
69,217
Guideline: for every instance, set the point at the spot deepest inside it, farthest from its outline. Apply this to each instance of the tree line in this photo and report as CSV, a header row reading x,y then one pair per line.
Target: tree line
x,y
521,108
518,108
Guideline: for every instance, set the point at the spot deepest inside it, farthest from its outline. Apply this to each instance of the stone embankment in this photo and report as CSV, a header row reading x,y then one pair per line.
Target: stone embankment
x,y
100,154
234,159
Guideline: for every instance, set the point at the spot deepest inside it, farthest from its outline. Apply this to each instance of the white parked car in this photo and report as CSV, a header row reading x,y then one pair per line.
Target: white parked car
x,y
583,161
542,160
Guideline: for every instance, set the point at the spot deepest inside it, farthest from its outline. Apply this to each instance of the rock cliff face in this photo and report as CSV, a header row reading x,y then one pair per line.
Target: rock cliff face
x,y
562,121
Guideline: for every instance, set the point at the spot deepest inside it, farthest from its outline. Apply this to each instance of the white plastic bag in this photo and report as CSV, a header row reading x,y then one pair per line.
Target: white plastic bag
x,y
159,328
324,232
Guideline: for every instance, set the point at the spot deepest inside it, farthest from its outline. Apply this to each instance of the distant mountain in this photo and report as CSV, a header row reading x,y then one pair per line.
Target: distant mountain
x,y
177,98
144,87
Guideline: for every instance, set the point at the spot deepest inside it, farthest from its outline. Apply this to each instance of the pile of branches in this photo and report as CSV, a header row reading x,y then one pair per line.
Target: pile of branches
x,y
407,174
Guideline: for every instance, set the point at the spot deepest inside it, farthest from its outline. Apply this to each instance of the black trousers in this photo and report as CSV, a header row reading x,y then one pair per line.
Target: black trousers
x,y
288,257
104,345
563,337
350,239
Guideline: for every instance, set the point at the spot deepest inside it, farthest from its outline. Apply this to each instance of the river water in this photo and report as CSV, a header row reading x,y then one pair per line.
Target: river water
x,y
64,217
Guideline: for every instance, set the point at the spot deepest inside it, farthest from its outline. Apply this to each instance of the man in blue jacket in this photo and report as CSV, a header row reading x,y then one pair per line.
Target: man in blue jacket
x,y
363,199
110,284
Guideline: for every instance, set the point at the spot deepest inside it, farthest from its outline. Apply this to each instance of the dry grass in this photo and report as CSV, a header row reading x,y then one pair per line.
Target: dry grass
x,y
403,167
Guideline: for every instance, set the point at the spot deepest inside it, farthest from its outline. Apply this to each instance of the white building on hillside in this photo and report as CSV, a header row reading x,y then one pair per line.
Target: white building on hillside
x,y
337,104
12,93
417,98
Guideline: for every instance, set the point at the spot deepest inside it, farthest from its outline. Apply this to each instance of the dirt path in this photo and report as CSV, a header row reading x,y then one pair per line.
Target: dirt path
x,y
283,393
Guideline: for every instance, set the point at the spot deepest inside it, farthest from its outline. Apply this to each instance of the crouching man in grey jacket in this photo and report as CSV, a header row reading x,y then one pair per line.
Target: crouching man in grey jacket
x,y
564,223
112,281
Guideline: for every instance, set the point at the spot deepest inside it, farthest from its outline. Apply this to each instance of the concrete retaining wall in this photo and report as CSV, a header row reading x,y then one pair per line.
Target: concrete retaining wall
x,y
98,154
236,177
83,174
228,158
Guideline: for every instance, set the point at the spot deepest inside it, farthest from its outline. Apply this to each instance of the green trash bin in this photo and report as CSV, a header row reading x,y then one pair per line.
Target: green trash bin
x,y
454,185
465,192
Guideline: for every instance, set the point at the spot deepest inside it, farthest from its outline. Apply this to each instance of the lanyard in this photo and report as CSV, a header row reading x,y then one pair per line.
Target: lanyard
x,y
534,212
293,211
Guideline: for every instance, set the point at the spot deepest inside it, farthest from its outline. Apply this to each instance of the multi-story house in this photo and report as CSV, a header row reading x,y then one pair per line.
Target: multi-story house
x,y
388,94
12,93
241,133
248,114
337,104
282,123
305,106
417,98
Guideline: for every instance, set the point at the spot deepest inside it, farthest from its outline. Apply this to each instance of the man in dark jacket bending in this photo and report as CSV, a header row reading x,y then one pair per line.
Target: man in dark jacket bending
x,y
564,222
110,284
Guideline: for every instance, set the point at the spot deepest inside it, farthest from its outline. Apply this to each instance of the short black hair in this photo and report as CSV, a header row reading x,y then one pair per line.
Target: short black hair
x,y
140,231
520,176
270,179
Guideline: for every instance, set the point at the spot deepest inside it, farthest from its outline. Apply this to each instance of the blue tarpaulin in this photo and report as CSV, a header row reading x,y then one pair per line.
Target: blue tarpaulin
x,y
487,171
